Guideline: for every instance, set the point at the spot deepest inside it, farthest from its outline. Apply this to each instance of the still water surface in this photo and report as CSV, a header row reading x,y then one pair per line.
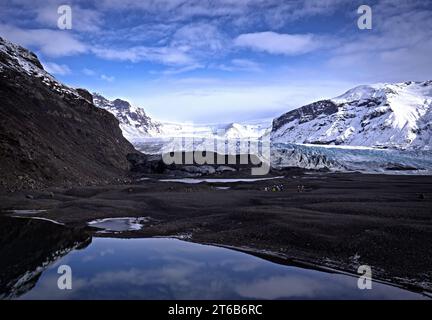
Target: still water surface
x,y
161,268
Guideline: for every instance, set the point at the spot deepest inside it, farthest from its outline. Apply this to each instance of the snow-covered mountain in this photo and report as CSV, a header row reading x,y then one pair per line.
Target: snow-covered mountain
x,y
134,122
137,126
395,116
382,128
18,59
222,131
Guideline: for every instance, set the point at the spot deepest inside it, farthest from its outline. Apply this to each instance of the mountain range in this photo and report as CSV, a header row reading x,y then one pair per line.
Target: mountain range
x,y
137,126
396,116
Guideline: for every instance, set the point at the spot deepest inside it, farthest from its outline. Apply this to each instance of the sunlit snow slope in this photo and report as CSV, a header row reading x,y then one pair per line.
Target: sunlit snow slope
x,y
383,115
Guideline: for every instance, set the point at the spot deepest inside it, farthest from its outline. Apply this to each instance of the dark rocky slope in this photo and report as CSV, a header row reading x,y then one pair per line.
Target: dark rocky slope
x,y
51,134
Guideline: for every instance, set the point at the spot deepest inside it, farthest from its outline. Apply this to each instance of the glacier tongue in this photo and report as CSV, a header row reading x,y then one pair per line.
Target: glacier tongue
x,y
331,158
366,160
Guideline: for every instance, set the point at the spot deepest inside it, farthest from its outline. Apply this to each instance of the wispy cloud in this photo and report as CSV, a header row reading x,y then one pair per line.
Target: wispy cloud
x,y
164,55
107,78
89,72
57,69
53,43
214,98
276,43
265,11
241,65
188,48
92,73
172,71
203,39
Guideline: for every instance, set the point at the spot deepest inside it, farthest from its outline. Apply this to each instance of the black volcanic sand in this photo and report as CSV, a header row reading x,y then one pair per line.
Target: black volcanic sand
x,y
339,221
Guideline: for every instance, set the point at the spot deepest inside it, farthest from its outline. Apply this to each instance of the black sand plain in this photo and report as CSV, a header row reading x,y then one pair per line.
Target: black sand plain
x,y
331,220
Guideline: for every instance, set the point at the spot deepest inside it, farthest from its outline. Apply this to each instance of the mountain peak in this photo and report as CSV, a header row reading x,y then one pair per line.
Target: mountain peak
x,y
16,56
134,122
121,105
397,115
18,61
379,90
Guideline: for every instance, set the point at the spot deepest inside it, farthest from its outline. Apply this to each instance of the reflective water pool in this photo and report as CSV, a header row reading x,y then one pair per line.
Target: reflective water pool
x,y
160,268
119,224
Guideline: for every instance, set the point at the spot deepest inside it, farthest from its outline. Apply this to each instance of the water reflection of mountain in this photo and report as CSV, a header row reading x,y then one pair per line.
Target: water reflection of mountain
x,y
28,247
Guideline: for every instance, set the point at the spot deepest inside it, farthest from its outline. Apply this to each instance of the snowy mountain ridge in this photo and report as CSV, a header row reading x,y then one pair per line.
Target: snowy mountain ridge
x,y
136,125
134,122
17,58
395,116
225,130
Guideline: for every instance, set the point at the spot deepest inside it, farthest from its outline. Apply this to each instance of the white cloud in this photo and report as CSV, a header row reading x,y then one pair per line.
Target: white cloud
x,y
188,68
164,55
53,43
219,99
240,65
145,32
54,68
93,73
88,72
276,43
246,65
188,48
107,78
201,38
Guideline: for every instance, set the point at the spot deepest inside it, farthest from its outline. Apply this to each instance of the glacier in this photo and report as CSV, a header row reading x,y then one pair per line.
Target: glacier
x,y
346,158
307,156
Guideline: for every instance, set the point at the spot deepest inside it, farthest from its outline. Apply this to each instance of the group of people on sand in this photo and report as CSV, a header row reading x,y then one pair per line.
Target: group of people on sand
x,y
280,187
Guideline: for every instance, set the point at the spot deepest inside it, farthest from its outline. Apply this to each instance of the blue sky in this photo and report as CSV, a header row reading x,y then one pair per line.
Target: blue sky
x,y
224,60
